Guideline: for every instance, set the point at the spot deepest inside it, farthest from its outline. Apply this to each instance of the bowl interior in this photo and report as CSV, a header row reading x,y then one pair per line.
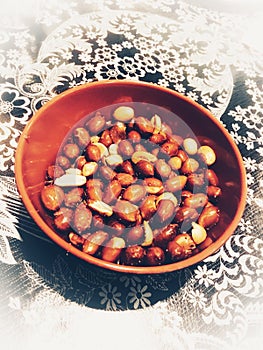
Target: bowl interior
x,y
42,138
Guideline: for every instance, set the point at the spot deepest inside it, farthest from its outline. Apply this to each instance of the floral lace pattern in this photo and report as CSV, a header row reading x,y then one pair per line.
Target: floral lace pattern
x,y
208,306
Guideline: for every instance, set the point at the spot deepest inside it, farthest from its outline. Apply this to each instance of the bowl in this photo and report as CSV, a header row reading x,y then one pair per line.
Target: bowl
x,y
43,136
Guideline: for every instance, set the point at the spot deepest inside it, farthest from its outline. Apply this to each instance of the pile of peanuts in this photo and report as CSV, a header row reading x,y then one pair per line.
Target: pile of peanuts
x,y
129,191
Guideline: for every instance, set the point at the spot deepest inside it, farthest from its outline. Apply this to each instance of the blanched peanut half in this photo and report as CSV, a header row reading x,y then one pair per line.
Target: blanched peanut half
x,y
103,149
113,149
198,233
70,180
208,154
190,146
73,171
167,196
141,155
123,113
89,168
157,124
114,160
100,207
148,234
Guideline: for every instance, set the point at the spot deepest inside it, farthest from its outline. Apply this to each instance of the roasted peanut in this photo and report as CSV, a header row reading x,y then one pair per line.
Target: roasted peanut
x,y
112,249
96,124
153,185
82,218
140,148
176,138
207,154
133,255
62,219
165,235
93,153
134,193
112,192
186,242
71,150
104,152
117,132
144,125
212,177
63,162
126,210
80,162
213,192
165,210
209,216
94,189
117,227
185,213
52,197
106,172
175,163
81,137
124,179
106,138
148,207
125,148
135,235
123,113
167,196
54,171
134,136
98,221
162,168
197,200
195,181
127,167
158,138
145,168
182,155
94,241
154,256
73,197
76,239
175,183
189,166
175,251
170,148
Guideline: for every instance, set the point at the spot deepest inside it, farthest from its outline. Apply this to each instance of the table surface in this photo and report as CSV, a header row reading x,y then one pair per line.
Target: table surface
x,y
212,54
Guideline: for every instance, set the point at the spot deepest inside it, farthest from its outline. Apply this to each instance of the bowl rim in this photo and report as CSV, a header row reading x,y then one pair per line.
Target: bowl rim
x,y
69,248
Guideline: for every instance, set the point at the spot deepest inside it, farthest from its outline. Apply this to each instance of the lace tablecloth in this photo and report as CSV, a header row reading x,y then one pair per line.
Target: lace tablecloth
x,y
51,299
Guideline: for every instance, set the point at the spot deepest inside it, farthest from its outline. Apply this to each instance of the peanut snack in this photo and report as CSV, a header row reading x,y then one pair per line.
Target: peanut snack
x,y
127,190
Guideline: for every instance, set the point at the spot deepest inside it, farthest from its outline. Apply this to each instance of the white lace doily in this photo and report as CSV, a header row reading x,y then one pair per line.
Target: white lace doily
x,y
49,297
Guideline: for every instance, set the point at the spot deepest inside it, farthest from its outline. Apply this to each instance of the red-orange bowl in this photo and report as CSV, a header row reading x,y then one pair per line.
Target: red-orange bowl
x,y
43,135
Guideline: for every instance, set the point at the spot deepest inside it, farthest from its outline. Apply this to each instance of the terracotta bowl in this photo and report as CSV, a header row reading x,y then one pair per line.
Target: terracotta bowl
x,y
44,134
